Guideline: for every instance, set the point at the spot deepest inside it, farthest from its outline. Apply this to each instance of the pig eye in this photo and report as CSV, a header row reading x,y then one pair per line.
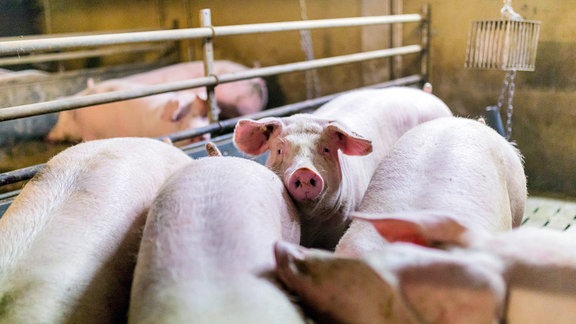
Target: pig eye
x,y
326,150
279,151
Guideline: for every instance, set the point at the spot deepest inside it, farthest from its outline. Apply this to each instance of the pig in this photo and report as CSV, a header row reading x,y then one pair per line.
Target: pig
x,y
400,283
326,159
68,241
447,166
539,264
234,99
207,248
151,116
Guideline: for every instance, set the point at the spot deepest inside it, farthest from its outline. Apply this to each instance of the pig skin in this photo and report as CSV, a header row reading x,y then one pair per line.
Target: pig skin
x,y
68,241
448,166
207,247
151,116
400,283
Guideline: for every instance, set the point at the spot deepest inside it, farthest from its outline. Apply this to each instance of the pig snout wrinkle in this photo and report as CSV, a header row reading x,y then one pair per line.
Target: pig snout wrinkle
x,y
305,184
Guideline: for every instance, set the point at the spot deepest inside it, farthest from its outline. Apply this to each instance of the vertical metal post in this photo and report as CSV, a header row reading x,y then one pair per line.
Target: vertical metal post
x,y
397,41
206,21
425,43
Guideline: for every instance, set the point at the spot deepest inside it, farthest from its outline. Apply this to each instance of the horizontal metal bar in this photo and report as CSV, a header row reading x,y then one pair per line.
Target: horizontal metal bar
x,y
228,124
90,100
314,24
80,54
20,174
225,125
58,43
100,98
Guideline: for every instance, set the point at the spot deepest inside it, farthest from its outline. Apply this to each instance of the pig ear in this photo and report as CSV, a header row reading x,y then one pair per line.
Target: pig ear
x,y
174,110
253,136
426,228
348,142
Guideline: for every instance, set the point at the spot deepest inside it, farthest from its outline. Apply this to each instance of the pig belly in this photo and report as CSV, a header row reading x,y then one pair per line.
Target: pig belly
x,y
67,242
207,248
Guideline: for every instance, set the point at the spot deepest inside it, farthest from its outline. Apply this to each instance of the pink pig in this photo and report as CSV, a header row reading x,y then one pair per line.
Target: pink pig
x,y
538,264
68,241
150,116
326,159
234,98
452,165
400,283
207,248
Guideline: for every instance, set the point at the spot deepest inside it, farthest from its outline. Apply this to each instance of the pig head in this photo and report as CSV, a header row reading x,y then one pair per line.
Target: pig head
x,y
537,264
307,153
402,283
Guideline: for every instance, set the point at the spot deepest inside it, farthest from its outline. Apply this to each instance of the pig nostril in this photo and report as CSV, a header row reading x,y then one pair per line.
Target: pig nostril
x,y
313,182
298,183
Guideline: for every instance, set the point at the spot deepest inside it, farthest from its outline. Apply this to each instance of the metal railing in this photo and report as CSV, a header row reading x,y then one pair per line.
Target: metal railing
x,y
207,33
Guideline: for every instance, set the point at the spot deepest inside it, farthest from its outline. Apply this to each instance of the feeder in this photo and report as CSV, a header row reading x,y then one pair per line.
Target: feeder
x,y
508,44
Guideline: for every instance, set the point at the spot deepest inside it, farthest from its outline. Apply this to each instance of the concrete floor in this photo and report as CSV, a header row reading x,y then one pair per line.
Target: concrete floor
x,y
550,213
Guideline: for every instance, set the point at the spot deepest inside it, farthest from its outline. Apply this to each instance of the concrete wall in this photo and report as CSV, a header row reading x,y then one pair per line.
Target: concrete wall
x,y
543,121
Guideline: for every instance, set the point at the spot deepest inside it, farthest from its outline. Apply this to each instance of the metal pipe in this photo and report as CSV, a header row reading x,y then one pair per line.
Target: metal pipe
x,y
425,42
29,172
213,111
20,174
80,54
228,124
58,43
90,100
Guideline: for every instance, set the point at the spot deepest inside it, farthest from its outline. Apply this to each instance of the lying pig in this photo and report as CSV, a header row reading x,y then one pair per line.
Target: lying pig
x,y
539,265
448,165
150,116
207,248
68,241
400,283
326,159
234,98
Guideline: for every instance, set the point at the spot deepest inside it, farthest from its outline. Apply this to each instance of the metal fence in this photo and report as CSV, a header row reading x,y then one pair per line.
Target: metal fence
x,y
11,49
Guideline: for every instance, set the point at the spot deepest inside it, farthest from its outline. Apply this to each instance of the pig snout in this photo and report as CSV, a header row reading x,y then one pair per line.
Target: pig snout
x,y
305,184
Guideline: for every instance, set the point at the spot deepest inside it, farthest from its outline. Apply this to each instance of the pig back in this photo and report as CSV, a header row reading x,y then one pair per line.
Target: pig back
x,y
387,112
455,165
381,116
66,241
207,247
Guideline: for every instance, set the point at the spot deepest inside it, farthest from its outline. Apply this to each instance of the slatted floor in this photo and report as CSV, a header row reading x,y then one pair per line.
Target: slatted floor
x,y
550,213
